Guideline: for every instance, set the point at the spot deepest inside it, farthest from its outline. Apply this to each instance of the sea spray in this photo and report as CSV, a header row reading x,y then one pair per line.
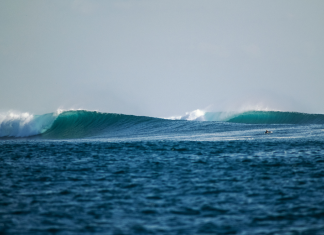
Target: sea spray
x,y
14,124
253,117
196,115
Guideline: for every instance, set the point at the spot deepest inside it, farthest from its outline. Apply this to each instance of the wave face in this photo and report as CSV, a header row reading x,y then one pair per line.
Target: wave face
x,y
82,123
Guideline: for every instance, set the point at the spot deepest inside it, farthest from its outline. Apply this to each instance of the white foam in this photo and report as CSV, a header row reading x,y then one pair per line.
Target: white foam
x,y
224,115
15,124
196,115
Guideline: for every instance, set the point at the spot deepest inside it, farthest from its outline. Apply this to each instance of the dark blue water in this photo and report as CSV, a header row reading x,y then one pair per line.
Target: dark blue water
x,y
180,177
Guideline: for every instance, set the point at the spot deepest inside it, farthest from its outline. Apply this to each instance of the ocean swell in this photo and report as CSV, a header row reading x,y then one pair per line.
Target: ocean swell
x,y
267,117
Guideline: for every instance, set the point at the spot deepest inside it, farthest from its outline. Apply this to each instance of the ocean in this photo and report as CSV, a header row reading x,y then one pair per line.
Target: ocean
x,y
86,172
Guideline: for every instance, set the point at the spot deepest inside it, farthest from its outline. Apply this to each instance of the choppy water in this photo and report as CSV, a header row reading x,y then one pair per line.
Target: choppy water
x,y
117,175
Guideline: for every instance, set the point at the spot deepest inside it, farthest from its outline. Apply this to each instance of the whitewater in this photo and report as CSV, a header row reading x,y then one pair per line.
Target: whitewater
x,y
90,172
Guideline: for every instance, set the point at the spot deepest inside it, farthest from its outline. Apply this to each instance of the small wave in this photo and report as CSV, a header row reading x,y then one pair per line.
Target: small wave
x,y
276,117
254,117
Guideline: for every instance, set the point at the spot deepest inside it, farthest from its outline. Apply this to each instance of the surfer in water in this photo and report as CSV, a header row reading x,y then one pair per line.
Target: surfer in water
x,y
267,132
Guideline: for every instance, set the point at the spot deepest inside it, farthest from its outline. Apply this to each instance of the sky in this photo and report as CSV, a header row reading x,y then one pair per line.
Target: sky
x,y
161,57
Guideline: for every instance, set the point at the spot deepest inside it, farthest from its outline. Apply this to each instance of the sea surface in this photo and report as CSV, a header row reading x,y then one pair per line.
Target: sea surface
x,y
84,172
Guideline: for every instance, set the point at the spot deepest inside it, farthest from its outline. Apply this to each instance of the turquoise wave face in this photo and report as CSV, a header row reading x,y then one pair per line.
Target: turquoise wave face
x,y
77,124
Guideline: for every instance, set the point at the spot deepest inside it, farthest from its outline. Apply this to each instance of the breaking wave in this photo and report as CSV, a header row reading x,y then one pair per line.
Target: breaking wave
x,y
276,117
14,124
254,117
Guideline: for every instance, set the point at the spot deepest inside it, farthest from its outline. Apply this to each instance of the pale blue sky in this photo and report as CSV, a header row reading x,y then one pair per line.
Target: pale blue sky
x,y
161,58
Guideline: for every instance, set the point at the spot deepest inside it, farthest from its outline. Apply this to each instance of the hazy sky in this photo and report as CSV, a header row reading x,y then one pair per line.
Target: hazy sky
x,y
161,58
